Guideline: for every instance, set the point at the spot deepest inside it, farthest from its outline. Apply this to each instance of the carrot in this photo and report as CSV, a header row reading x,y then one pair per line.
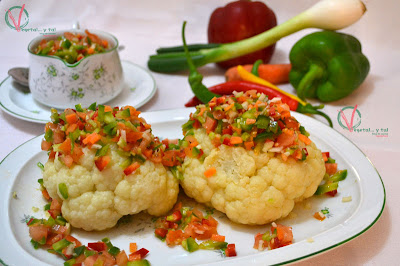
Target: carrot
x,y
218,238
248,145
304,139
90,50
132,247
236,140
92,138
131,168
276,74
71,118
210,172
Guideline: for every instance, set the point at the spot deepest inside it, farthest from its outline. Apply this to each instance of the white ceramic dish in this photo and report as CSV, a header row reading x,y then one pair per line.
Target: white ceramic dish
x,y
56,83
19,173
138,89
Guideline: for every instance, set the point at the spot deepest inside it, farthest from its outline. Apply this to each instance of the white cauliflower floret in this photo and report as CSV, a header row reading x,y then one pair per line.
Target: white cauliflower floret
x,y
96,206
152,188
251,188
97,199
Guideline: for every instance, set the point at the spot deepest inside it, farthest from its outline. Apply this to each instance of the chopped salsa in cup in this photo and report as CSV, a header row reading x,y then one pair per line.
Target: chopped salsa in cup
x,y
72,47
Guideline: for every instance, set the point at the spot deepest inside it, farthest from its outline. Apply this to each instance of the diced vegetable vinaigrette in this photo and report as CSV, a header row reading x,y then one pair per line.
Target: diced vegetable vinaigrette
x,y
252,121
99,127
72,47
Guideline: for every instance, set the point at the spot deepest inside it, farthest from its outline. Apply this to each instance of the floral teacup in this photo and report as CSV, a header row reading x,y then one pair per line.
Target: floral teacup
x,y
56,83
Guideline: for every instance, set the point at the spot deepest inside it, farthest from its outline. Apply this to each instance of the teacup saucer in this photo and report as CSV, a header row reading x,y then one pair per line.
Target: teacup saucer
x,y
17,101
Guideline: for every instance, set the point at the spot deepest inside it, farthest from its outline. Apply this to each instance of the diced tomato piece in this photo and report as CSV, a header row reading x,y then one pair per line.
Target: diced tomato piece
x,y
90,261
331,168
58,137
121,258
325,156
210,124
102,162
230,250
133,136
284,234
131,168
161,232
285,140
55,205
38,232
227,142
66,253
227,131
65,147
73,240
78,261
98,246
175,216
54,213
45,145
53,239
275,243
174,237
259,243
60,230
106,258
170,158
77,154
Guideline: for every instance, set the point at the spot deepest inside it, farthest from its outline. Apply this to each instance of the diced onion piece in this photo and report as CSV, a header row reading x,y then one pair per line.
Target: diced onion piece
x,y
347,199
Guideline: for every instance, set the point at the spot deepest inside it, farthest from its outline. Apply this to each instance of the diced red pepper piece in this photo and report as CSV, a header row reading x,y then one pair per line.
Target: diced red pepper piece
x,y
175,216
230,250
138,255
98,246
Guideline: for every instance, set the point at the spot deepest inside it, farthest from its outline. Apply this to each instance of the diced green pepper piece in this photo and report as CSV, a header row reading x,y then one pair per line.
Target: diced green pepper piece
x,y
114,251
79,250
109,118
245,136
303,131
263,122
70,262
50,221
60,245
213,245
111,129
61,220
249,114
126,163
66,44
54,116
339,176
218,129
190,244
35,244
48,136
238,106
264,136
89,253
195,152
92,107
322,189
176,172
100,114
79,108
330,160
62,187
124,114
274,127
139,158
47,207
143,262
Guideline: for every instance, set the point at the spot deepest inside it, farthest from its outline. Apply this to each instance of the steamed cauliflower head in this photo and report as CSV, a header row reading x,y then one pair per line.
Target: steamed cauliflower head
x,y
249,158
110,164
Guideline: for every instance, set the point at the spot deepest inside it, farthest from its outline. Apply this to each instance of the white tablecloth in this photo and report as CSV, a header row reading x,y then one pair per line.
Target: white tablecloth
x,y
143,26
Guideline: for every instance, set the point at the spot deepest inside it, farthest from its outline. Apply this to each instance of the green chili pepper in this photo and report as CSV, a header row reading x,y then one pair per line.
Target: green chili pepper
x,y
327,65
41,166
254,70
195,78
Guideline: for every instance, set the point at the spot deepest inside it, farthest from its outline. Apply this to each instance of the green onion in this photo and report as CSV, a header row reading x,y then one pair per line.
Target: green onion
x,y
89,253
303,131
103,151
41,166
62,187
109,118
114,251
79,250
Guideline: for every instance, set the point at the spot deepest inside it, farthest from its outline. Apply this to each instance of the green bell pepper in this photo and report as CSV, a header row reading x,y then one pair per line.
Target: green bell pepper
x,y
327,65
